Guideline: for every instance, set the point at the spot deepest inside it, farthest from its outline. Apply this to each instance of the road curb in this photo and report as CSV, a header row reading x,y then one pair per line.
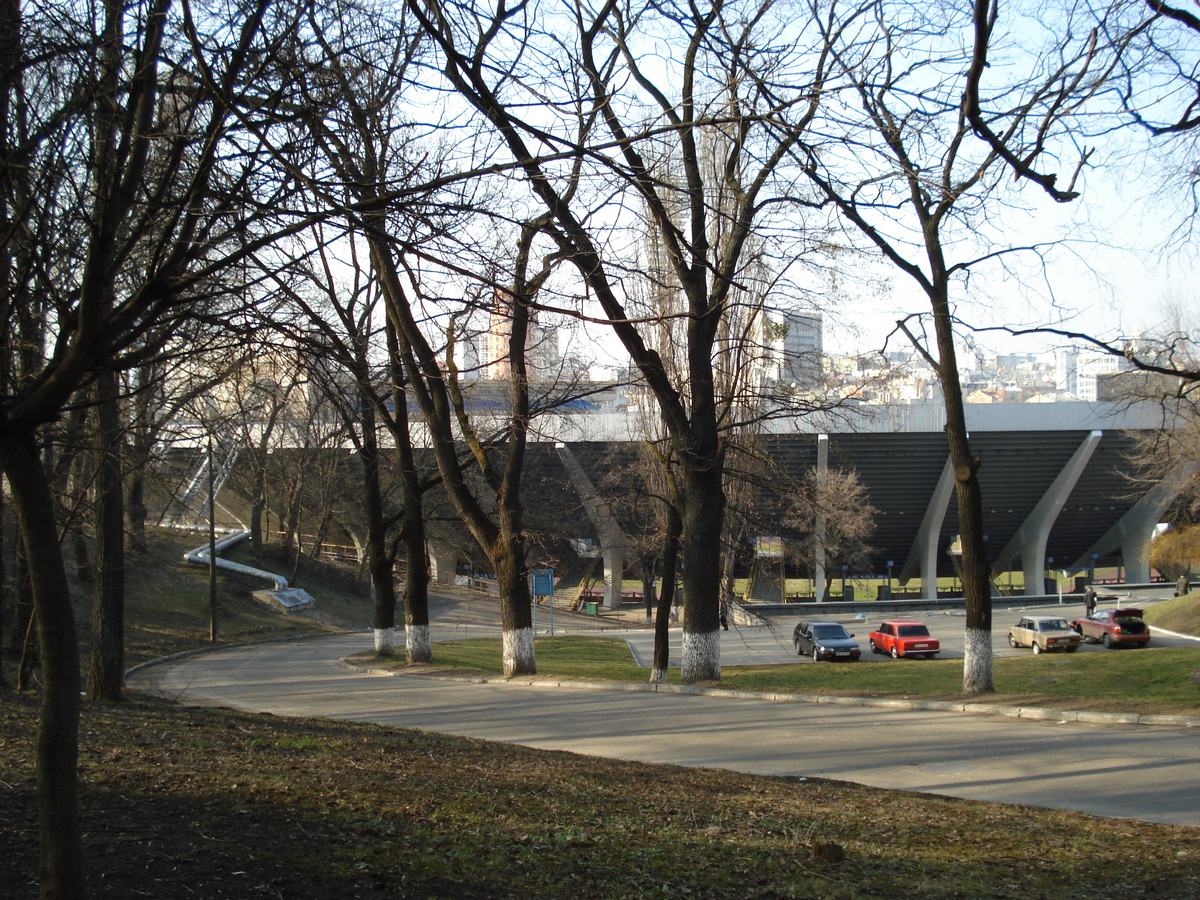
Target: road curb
x,y
900,703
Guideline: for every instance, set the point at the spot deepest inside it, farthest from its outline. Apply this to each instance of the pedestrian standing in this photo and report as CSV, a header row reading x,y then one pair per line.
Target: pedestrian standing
x,y
1181,586
1089,600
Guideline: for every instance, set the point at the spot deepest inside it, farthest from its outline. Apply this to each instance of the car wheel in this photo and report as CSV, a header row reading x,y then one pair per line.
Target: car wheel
x,y
895,653
1107,642
1036,648
816,655
930,655
1012,641
1072,649
874,649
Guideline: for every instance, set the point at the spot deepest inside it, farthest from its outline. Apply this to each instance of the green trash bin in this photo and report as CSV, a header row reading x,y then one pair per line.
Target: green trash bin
x,y
591,609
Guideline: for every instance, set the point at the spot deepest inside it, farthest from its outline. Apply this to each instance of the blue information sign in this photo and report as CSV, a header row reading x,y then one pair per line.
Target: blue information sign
x,y
542,582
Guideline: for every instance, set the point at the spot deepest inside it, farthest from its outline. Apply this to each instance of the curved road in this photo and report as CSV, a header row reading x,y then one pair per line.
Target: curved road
x,y
1144,772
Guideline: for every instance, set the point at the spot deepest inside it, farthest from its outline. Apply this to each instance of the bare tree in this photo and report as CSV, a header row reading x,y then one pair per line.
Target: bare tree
x,y
339,334
917,186
833,511
567,94
116,118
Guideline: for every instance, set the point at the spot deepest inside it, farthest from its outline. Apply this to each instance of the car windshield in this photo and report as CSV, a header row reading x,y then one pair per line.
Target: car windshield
x,y
913,631
829,632
1052,625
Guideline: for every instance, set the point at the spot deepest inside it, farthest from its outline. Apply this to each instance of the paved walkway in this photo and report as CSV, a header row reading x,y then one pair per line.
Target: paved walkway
x,y
1133,771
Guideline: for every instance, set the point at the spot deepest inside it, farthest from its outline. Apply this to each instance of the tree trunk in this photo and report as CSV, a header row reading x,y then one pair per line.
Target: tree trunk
x,y
666,597
61,862
257,506
417,645
703,520
24,637
516,607
379,562
648,569
135,507
6,598
106,671
976,573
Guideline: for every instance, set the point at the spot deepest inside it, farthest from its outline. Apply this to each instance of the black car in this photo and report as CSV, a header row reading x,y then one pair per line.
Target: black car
x,y
825,640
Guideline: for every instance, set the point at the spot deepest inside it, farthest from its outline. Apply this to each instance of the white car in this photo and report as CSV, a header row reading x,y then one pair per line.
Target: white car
x,y
1044,634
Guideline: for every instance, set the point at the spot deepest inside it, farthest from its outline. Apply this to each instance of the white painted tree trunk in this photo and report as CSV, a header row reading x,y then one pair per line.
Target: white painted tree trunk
x,y
385,641
518,651
417,646
701,656
977,662
658,676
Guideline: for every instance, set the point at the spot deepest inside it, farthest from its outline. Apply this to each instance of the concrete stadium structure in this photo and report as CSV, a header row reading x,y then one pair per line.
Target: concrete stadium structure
x,y
1055,479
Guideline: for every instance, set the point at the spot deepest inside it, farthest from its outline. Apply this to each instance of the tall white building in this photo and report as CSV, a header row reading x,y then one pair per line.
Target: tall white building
x,y
541,344
792,347
1093,367
1066,371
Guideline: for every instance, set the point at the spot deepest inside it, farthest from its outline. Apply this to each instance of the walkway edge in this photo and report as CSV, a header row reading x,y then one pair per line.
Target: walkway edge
x,y
985,709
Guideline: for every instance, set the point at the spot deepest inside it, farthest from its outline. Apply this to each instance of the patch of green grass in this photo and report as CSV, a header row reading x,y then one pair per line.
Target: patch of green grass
x,y
1141,680
1181,614
569,656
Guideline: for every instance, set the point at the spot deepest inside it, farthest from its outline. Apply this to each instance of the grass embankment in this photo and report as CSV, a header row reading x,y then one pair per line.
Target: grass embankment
x,y
215,804
1179,614
167,601
1118,680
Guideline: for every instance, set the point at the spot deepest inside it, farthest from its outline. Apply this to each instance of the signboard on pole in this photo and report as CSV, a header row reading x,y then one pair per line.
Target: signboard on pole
x,y
542,582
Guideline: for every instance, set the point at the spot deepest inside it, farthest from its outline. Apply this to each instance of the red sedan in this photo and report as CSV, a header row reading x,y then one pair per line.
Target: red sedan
x,y
1114,628
904,639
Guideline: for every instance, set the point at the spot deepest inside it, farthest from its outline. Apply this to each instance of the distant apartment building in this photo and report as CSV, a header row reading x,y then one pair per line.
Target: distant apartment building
x,y
1094,370
1066,371
493,357
792,347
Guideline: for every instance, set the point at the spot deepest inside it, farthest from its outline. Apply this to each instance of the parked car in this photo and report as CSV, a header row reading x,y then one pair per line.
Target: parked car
x,y
903,638
1044,634
825,640
1114,628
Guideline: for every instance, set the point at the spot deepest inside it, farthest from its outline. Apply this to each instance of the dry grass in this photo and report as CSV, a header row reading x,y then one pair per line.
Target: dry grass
x,y
215,804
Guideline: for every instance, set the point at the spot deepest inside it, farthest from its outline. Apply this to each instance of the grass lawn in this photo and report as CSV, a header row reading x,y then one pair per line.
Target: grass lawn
x,y
1148,681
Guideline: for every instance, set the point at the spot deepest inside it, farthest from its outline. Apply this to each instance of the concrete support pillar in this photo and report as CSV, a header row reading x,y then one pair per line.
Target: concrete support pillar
x,y
614,574
612,540
1135,553
1133,532
443,563
1030,539
922,558
819,523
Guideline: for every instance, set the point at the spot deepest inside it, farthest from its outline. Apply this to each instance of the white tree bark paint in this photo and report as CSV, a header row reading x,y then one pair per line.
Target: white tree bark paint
x,y
518,651
977,662
385,641
658,676
416,643
701,656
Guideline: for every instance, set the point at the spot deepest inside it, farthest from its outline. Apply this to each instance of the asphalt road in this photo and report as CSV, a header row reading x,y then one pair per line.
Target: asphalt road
x,y
1143,772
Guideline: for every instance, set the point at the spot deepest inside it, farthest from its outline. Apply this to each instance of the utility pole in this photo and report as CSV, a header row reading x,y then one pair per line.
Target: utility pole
x,y
212,548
